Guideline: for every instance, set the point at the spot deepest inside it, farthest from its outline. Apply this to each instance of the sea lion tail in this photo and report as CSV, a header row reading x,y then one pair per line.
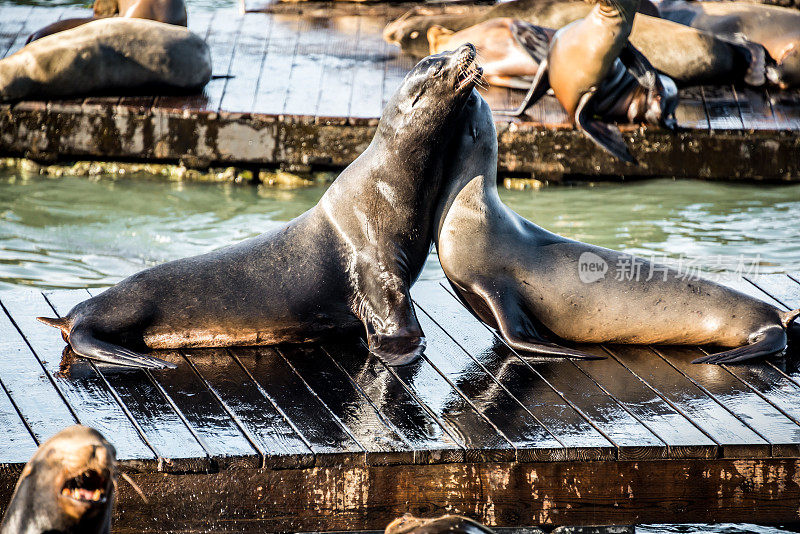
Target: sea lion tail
x,y
62,323
788,317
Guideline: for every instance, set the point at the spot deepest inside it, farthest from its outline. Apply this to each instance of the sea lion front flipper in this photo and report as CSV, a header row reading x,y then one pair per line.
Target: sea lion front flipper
x,y
640,67
518,330
765,343
397,339
604,135
85,344
539,87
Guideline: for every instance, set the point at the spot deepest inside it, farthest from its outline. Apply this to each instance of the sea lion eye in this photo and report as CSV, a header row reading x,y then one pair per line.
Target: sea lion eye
x,y
414,34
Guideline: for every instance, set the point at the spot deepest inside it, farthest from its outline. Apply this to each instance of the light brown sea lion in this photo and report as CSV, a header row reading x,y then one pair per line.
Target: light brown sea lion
x,y
167,11
446,524
775,28
113,54
506,62
345,265
536,287
596,73
66,488
688,56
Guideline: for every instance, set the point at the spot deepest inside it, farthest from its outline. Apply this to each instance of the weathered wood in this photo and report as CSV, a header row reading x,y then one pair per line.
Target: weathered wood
x,y
722,108
16,442
498,494
85,391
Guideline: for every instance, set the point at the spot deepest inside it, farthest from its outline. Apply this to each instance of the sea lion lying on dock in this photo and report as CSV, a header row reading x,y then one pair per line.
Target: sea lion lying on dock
x,y
777,29
688,56
167,11
67,487
113,54
348,262
530,285
595,72
446,524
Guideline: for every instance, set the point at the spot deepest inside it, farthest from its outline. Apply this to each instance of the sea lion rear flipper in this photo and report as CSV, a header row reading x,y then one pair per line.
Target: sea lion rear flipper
x,y
604,135
639,67
539,87
519,332
85,344
766,343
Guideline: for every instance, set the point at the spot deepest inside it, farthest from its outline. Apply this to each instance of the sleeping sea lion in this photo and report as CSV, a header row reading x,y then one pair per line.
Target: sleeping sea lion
x,y
535,287
777,29
446,524
595,72
66,488
167,11
348,262
688,56
106,55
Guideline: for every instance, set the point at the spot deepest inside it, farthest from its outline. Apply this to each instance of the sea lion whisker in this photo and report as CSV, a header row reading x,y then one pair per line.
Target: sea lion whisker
x,y
135,487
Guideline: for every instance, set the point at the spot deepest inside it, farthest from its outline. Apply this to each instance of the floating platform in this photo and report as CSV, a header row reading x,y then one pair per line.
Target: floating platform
x,y
306,90
327,438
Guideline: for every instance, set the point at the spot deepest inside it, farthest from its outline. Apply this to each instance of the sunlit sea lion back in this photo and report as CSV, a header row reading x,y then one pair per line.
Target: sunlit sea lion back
x,y
529,284
66,488
349,262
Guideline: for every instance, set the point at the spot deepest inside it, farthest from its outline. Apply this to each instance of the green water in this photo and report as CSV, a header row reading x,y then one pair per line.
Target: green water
x,y
79,232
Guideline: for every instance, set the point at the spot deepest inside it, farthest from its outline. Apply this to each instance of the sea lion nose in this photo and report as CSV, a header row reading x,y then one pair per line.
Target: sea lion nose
x,y
463,55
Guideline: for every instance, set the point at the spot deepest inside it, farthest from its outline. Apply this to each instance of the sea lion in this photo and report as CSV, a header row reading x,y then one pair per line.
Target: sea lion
x,y
67,487
167,11
446,524
536,287
346,263
505,61
688,56
595,72
777,29
114,54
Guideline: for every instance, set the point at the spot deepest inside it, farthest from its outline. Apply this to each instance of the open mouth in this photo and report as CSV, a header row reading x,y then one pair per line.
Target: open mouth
x,y
468,70
90,487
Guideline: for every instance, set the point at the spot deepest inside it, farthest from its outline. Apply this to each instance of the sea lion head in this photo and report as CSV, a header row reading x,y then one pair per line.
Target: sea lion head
x,y
410,33
68,486
450,524
432,94
105,8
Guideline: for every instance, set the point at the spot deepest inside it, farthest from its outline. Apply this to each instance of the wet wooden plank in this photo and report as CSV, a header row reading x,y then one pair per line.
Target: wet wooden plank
x,y
424,433
338,77
330,442
222,38
163,429
783,289
383,443
722,108
777,429
85,391
305,79
523,405
15,28
755,109
276,67
264,425
240,91
786,108
691,111
735,438
16,442
30,386
367,98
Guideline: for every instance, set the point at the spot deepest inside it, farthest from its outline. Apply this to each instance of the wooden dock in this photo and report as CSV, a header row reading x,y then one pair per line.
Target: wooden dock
x,y
323,438
306,91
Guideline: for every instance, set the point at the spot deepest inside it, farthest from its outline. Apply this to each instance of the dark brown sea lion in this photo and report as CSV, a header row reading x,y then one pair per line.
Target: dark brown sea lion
x,y
66,488
688,56
777,29
535,286
348,262
453,524
113,54
596,73
167,11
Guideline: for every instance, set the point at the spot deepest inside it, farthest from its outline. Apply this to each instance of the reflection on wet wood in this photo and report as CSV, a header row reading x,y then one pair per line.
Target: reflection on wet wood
x,y
326,437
